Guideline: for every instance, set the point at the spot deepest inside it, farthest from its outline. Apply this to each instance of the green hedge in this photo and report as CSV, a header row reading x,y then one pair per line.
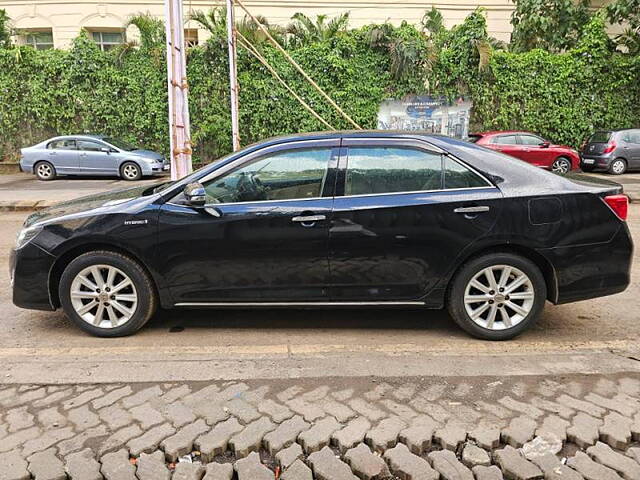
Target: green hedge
x,y
123,92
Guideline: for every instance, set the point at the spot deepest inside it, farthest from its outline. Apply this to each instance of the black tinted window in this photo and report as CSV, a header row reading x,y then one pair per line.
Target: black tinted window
x,y
373,170
600,137
530,140
90,146
64,144
457,175
506,140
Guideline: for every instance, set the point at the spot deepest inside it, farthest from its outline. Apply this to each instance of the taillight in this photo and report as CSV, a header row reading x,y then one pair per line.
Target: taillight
x,y
619,204
611,146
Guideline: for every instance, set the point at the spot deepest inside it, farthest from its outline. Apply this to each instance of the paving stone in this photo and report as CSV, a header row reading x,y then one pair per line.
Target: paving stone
x,y
404,412
553,469
450,437
146,416
435,411
54,397
326,466
149,440
628,400
378,392
278,412
46,466
77,442
610,404
218,471
319,435
494,409
18,418
211,412
82,466
119,439
473,455
297,471
182,442
216,441
285,434
364,408
553,407
188,471
14,467
514,466
203,395
289,455
111,397
365,464
309,411
83,418
315,395
25,398
554,425
584,430
289,393
351,435
175,394
46,440
115,417
385,434
486,437
586,407
246,412
419,436
541,445
14,440
487,473
116,466
615,431
589,469
343,395
625,466
634,452
178,414
141,397
408,466
250,468
520,431
464,414
340,411
51,418
151,466
520,407
256,396
450,468
405,392
84,397
250,438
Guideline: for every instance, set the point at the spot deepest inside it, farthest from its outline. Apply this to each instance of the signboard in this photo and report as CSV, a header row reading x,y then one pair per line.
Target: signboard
x,y
426,113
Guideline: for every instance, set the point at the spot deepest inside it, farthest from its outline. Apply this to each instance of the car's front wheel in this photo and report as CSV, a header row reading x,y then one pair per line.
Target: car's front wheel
x,y
562,165
618,166
45,171
130,171
107,294
497,296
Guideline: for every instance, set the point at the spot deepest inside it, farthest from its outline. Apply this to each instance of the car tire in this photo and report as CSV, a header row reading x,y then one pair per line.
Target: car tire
x,y
130,171
618,166
562,165
464,298
101,310
44,171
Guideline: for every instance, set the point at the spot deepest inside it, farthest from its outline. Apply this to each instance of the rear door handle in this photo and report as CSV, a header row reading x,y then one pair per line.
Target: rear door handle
x,y
309,218
479,209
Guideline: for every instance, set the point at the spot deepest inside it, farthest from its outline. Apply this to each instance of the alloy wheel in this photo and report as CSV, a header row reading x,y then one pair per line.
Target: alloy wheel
x,y
103,296
130,171
499,297
618,166
44,170
561,166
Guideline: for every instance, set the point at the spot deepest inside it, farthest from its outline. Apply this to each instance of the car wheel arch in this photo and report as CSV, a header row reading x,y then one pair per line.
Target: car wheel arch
x,y
55,273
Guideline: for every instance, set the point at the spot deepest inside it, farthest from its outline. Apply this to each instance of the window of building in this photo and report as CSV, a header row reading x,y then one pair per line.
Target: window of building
x,y
191,37
107,40
39,39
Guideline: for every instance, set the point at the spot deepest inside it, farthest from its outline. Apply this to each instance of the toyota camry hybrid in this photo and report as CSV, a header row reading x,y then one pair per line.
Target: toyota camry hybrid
x,y
337,219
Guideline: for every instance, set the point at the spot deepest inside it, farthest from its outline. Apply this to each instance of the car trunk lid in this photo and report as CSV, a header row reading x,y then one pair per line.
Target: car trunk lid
x,y
597,143
598,185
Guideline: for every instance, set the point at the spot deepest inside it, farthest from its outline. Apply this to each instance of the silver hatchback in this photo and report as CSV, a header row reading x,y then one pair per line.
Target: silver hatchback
x,y
90,155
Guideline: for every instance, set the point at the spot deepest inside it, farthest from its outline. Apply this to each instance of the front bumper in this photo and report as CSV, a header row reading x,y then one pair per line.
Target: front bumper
x,y
30,268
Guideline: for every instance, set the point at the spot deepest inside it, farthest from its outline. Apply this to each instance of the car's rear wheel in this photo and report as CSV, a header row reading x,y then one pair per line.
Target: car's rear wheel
x,y
45,171
562,165
130,171
618,166
107,294
497,296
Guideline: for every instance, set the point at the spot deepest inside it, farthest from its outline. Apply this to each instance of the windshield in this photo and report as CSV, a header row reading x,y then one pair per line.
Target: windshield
x,y
121,144
600,137
474,138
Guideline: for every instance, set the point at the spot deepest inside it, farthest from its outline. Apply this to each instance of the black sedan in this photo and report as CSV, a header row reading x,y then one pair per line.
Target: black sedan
x,y
340,219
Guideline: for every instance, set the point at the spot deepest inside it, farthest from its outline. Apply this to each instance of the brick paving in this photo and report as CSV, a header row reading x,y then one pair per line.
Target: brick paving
x,y
450,429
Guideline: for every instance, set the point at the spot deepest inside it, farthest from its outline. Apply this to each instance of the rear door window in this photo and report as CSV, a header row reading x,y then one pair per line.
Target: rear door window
x,y
507,140
457,175
63,144
530,140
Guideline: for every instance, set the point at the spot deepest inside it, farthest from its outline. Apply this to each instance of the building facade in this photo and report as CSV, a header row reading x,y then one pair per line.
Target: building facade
x,y
55,23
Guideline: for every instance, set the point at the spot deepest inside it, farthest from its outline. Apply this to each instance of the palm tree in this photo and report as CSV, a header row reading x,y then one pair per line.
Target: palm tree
x,y
152,33
630,39
215,22
304,30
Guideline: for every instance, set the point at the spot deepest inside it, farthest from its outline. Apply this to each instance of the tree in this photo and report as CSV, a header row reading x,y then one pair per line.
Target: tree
x,y
152,31
5,29
553,25
626,12
304,30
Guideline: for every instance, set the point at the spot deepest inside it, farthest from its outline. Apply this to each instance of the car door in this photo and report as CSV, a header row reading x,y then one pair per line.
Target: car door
x,y
507,144
403,213
631,147
97,158
532,150
263,236
63,155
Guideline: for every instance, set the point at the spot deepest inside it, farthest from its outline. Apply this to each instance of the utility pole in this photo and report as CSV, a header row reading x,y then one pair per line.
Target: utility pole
x,y
233,75
178,88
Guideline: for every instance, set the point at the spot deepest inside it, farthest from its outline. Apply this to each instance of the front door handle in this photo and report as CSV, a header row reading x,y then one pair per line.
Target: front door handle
x,y
309,218
479,209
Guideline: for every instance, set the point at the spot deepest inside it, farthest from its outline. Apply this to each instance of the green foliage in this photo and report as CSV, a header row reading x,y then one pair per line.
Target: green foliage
x,y
5,29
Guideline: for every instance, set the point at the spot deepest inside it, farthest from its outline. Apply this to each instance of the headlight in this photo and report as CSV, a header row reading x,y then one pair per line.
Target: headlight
x,y
26,235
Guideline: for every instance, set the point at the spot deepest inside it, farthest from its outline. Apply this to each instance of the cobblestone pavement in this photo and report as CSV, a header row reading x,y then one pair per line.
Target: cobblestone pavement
x,y
416,428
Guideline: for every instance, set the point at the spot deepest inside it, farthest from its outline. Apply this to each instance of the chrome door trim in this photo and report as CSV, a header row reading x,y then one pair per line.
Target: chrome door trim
x,y
478,209
309,218
291,304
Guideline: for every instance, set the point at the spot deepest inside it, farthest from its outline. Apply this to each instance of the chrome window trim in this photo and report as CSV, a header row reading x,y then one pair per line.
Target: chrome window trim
x,y
440,190
213,205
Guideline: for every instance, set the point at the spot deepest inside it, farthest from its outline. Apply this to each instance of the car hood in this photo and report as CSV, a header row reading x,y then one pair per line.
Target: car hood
x,y
148,154
120,200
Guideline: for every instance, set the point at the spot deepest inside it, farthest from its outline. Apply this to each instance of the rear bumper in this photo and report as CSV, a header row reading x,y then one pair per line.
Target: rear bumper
x,y
29,269
596,160
591,271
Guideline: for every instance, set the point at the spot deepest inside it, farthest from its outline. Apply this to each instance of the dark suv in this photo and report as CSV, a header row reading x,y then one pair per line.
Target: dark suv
x,y
614,150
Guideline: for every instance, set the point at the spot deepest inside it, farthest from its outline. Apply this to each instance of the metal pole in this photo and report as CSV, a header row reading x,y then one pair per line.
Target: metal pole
x,y
233,75
179,125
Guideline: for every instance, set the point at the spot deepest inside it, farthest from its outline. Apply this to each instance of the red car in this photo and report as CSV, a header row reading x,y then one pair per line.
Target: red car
x,y
530,148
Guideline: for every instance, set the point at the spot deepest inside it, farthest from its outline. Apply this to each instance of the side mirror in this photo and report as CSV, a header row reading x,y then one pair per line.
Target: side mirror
x,y
105,149
195,195
545,144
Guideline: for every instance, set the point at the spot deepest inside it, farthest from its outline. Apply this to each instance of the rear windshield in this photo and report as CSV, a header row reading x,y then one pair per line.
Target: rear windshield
x,y
474,138
600,137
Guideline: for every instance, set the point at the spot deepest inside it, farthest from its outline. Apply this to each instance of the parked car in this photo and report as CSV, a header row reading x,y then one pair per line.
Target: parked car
x,y
531,148
90,155
336,219
614,150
